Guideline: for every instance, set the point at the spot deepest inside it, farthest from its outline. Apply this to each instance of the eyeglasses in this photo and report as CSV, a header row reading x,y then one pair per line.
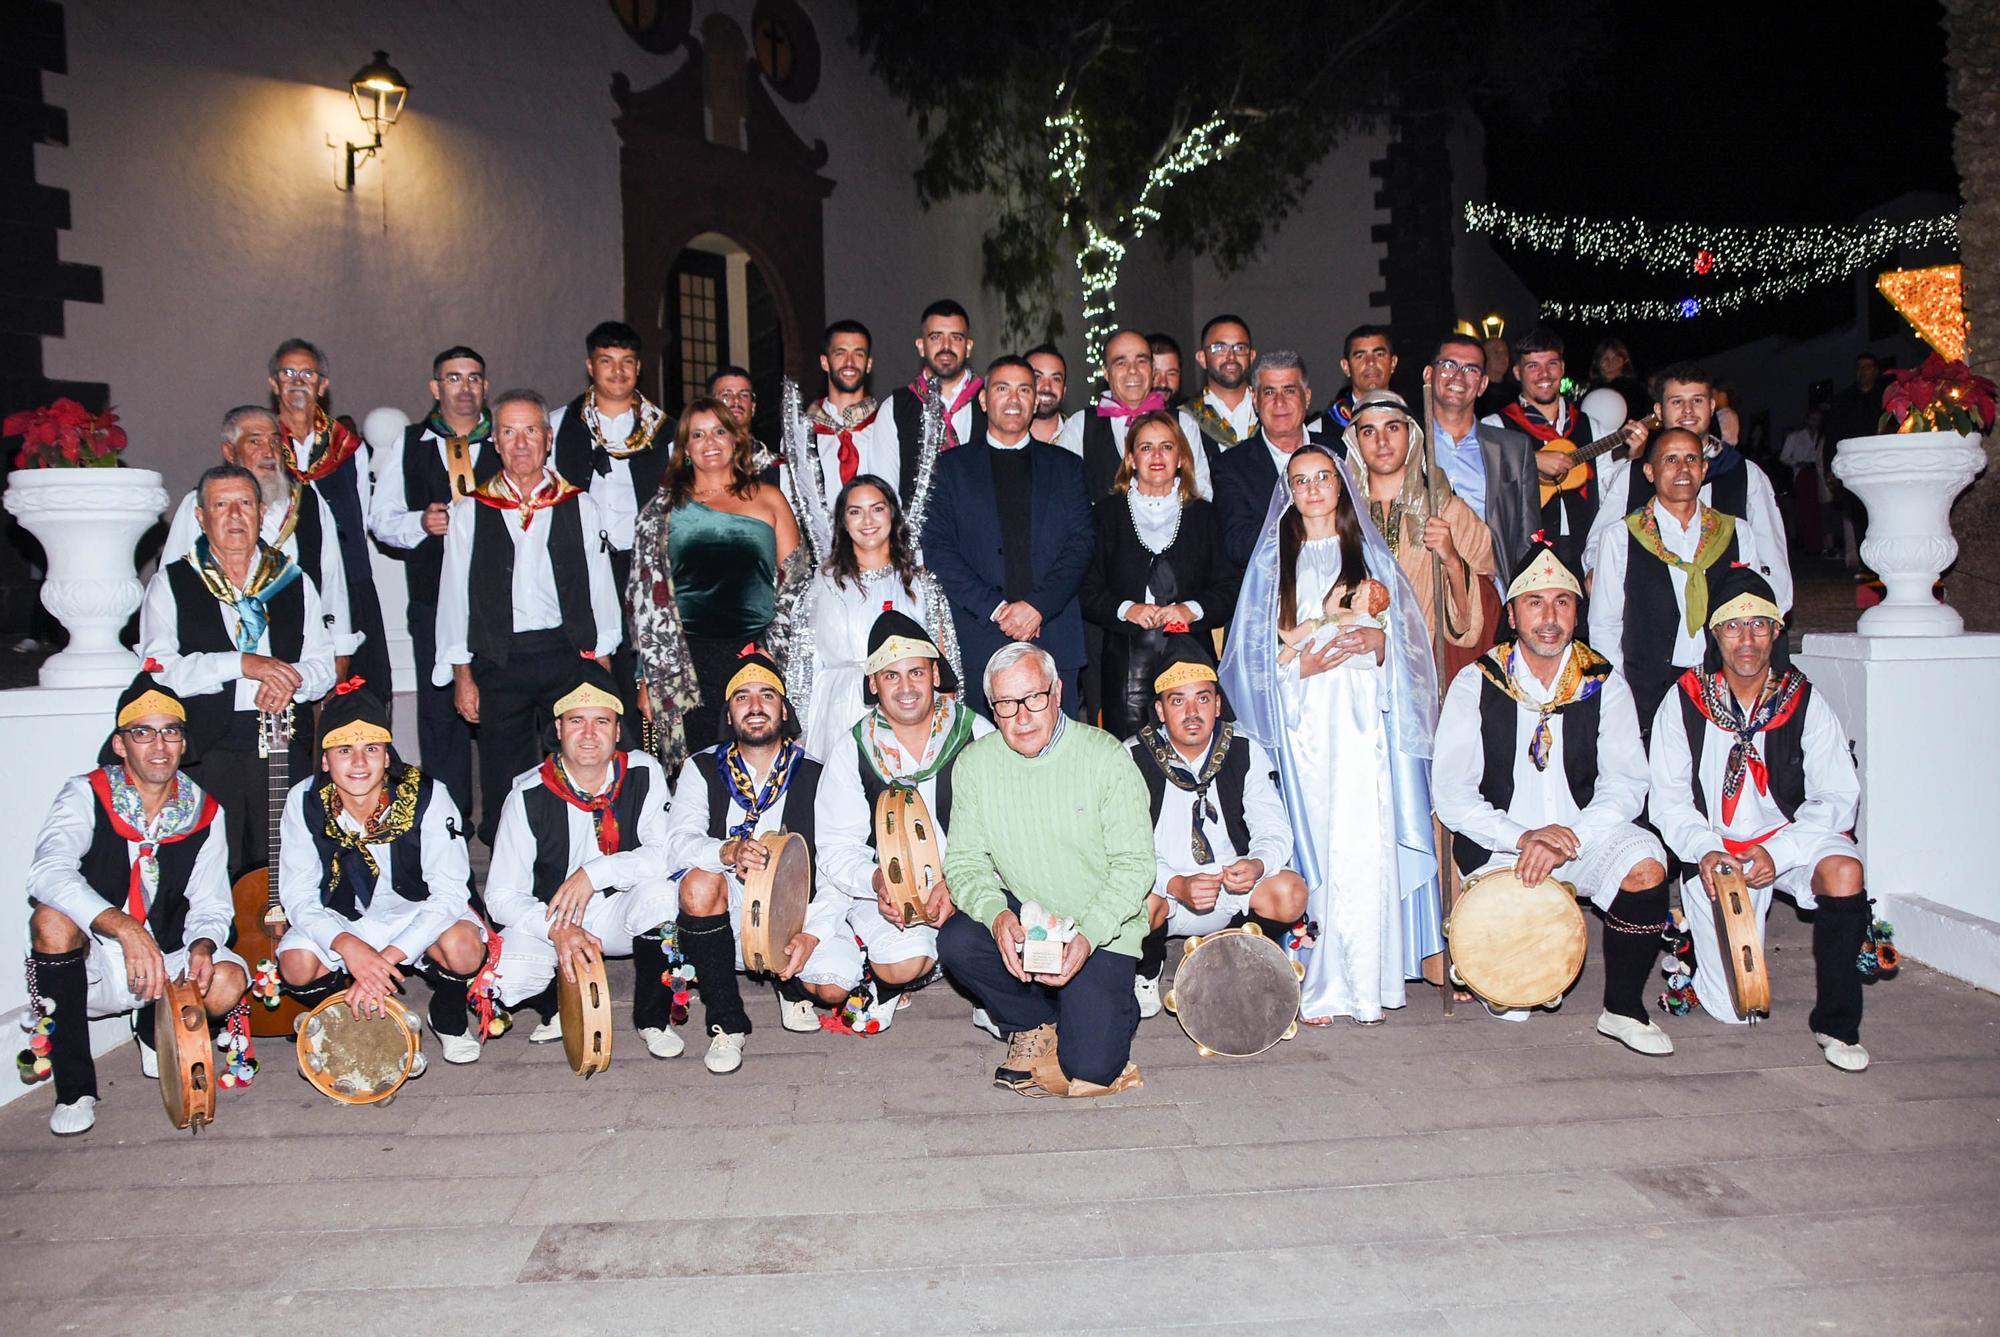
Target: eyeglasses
x,y
298,373
1218,348
1007,707
1759,627
144,733
1447,368
463,378
1319,478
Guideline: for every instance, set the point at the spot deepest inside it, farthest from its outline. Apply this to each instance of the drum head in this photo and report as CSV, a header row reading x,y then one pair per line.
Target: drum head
x,y
181,1048
1236,993
355,1060
1516,946
585,1008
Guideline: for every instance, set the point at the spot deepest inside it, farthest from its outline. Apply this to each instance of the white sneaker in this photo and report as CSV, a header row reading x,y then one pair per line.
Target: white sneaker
x,y
149,1064
725,1052
1148,993
661,1041
548,1032
1506,1013
798,1015
459,1048
1842,1055
1641,1037
985,1023
73,1118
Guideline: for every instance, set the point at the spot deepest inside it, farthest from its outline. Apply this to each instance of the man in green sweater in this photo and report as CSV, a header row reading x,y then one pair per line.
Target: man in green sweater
x,y
1051,811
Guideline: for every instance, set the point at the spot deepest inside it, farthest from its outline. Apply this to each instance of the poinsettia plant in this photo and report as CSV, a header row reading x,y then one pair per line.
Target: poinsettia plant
x,y
1938,396
65,435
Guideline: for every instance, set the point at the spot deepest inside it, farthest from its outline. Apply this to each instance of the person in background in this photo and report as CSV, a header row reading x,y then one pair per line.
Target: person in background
x,y
1167,368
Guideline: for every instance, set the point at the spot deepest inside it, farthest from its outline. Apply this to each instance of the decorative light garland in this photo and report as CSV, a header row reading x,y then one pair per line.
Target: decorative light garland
x,y
1933,301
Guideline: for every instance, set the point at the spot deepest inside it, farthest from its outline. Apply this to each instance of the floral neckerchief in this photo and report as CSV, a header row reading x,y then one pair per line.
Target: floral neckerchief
x,y
1581,678
499,493
1783,691
950,730
270,572
646,420
183,814
330,446
395,813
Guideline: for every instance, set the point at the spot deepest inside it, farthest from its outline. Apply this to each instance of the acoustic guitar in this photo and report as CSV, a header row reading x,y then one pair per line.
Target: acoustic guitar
x,y
260,915
1580,456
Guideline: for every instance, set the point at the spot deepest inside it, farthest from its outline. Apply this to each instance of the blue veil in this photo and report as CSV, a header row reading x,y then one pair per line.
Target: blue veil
x,y
1250,681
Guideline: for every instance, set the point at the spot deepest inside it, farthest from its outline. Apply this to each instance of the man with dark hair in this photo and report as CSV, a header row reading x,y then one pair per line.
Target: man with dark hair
x,y
328,457
733,386
1167,369
1096,435
944,343
1491,468
1245,477
525,589
439,460
1008,533
1226,413
1367,360
1051,383
836,440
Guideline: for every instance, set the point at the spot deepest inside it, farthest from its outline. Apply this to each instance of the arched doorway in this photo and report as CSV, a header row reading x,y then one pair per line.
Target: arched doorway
x,y
717,310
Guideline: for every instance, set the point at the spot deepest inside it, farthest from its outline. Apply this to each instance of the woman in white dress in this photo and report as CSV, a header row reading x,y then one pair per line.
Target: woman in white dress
x,y
822,637
1329,669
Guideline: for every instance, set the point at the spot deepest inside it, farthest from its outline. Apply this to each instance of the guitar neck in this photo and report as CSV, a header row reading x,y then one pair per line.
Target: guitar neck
x,y
1605,445
278,785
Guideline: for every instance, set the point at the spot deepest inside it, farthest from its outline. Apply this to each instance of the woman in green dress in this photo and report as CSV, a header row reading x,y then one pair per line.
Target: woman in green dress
x,y
713,549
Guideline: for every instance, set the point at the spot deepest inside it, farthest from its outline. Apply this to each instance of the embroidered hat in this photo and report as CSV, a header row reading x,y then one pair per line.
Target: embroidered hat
x,y
754,666
354,717
898,636
146,697
1186,660
589,685
1543,570
1740,591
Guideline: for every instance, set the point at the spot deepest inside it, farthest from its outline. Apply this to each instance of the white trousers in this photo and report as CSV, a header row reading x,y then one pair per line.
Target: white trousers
x,y
528,958
837,960
1711,985
1604,864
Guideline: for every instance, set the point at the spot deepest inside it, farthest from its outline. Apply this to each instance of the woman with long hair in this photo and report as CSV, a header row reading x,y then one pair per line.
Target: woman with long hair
x,y
711,552
1158,563
1329,669
821,638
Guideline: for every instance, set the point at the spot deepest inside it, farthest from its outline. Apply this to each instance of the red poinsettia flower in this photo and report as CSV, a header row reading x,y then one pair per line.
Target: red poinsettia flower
x,y
65,433
1938,396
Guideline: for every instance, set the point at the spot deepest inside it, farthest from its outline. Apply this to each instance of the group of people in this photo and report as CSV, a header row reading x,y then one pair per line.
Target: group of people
x,y
1449,643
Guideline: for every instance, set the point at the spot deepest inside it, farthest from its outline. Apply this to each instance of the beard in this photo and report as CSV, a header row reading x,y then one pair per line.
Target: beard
x,y
275,487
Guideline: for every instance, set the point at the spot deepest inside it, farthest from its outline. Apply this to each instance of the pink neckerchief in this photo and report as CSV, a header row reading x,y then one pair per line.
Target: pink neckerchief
x,y
1111,407
972,386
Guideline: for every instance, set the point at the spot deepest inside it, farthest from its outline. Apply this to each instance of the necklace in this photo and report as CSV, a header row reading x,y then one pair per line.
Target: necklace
x,y
1157,505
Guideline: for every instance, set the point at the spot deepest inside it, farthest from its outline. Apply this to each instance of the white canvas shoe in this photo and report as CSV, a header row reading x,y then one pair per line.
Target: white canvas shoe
x,y
1641,1037
985,1023
1148,993
662,1041
459,1048
548,1032
73,1118
1842,1055
798,1015
725,1052
149,1062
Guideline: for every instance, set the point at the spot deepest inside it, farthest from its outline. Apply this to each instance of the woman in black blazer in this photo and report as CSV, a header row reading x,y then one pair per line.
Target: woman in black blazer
x,y
1159,563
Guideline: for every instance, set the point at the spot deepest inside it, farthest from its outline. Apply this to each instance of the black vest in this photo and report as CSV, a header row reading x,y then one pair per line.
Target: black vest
x,y
198,617
425,482
872,786
107,869
1101,456
406,852
310,539
1500,744
1783,748
579,461
1653,619
1228,789
907,412
795,809
548,823
490,598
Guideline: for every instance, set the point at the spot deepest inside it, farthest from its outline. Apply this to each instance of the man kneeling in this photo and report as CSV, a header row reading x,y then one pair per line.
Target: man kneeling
x,y
1750,766
376,879
1222,841
1051,811
130,889
579,866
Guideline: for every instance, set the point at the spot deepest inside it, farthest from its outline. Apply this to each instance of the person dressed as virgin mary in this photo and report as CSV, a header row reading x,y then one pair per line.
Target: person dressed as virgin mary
x,y
1329,668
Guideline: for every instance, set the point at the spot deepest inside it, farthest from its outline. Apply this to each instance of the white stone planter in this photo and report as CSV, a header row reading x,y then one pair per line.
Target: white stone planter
x,y
89,521
1908,481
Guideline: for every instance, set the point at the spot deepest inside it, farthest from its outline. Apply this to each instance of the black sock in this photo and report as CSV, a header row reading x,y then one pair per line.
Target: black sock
x,y
542,1004
316,991
651,1003
1839,925
886,992
60,978
1277,930
794,990
144,1021
710,947
448,990
1153,954
1632,928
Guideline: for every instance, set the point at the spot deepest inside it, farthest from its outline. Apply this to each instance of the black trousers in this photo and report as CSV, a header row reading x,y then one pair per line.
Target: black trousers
x,y
444,739
625,660
516,704
239,780
714,660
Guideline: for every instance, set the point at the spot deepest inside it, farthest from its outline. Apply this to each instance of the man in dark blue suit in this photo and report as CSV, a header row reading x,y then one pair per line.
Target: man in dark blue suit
x,y
1008,534
1248,472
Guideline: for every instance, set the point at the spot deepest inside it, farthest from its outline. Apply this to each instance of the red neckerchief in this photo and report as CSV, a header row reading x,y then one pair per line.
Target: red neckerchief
x,y
135,890
498,493
849,454
602,815
340,444
1111,407
971,387
1531,420
1712,697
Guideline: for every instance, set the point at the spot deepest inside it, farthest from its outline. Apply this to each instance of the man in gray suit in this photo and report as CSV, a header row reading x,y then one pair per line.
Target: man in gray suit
x,y
1491,468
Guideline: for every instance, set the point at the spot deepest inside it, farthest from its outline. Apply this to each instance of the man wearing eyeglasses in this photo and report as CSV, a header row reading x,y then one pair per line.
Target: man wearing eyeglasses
x,y
732,385
1491,467
438,461
327,457
130,890
1226,413
944,346
1750,770
1054,812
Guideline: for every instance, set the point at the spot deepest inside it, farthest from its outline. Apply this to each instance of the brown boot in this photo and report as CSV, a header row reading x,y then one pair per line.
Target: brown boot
x,y
1027,1053
1053,1083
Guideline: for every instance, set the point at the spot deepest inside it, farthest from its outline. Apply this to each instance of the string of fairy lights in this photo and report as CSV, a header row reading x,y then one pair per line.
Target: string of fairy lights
x,y
1777,262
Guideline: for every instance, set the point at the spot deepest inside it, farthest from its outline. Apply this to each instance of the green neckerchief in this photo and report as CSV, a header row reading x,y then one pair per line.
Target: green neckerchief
x,y
1717,529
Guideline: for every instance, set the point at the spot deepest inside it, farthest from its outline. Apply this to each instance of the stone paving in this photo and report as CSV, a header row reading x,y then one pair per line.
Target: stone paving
x,y
1434,1177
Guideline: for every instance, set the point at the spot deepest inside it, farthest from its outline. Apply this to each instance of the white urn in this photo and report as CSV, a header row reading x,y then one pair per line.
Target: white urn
x,y
88,522
1908,481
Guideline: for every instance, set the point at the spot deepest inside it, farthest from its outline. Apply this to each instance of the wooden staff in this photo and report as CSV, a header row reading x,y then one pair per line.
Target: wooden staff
x,y
1440,843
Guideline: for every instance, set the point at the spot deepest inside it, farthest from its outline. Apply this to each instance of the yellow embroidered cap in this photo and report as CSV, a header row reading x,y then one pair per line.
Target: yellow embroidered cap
x,y
356,733
1180,675
589,685
145,697
757,667
1747,604
895,648
1545,572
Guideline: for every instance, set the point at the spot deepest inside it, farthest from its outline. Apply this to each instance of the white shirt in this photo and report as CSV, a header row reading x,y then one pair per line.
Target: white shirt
x,y
388,519
617,499
1540,797
1607,589
55,878
535,605
1263,813
687,842
199,674
447,874
1833,790
881,445
1771,560
1072,440
331,580
510,877
1242,419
